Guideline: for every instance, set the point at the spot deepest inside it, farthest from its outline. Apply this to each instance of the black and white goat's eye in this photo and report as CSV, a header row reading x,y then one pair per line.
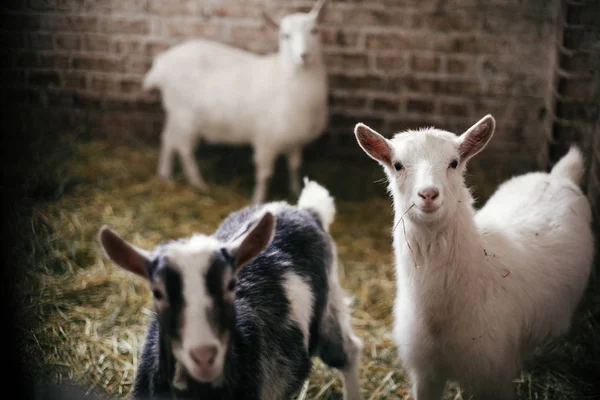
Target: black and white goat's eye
x,y
285,36
314,31
454,164
157,294
398,166
231,285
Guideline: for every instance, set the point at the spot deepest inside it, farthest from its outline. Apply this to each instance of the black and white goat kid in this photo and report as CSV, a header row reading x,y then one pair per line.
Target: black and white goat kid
x,y
241,312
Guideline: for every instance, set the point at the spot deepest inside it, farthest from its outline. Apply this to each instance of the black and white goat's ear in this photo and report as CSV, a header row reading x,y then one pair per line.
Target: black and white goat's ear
x,y
253,242
376,146
319,10
474,139
123,253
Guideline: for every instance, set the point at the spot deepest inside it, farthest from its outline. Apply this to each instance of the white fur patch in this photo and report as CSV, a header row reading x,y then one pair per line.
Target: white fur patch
x,y
318,199
192,259
301,302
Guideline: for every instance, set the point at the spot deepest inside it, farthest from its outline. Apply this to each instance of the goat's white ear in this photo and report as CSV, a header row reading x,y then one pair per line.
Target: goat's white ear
x,y
474,139
319,9
123,253
254,241
375,145
271,23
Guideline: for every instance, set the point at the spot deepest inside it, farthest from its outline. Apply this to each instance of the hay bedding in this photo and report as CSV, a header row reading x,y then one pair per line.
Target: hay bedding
x,y
92,316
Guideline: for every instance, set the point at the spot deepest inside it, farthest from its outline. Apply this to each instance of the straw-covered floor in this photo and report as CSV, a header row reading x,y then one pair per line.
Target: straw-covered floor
x,y
84,319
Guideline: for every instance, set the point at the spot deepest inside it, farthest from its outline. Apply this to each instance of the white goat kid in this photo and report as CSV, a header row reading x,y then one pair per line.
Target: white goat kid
x,y
278,103
478,291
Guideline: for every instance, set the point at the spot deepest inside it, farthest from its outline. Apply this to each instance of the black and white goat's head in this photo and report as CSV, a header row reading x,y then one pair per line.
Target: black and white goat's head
x,y
193,282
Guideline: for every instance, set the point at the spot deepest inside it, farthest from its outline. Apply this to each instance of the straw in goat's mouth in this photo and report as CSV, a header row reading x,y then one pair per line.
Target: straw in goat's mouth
x,y
412,253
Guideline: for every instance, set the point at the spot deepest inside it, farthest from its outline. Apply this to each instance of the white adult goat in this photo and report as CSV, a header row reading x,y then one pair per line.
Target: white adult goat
x,y
278,103
477,291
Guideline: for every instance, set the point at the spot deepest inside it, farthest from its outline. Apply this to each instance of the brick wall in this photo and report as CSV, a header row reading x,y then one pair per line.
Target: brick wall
x,y
394,64
577,92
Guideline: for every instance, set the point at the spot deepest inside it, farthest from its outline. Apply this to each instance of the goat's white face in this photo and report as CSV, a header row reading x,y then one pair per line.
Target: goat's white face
x,y
299,37
193,283
425,167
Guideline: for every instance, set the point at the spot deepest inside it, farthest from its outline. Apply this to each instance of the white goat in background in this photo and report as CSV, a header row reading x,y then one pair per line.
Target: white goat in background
x,y
477,291
278,103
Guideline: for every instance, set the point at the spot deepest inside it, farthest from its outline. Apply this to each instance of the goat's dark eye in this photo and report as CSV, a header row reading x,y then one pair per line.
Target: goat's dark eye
x,y
285,36
454,164
398,166
231,285
157,294
314,31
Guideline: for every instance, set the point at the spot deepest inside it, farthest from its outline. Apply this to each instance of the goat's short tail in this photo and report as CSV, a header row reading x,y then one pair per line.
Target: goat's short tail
x,y
316,198
570,166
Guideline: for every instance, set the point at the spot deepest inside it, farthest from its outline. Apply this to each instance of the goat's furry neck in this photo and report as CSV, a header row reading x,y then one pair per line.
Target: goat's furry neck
x,y
446,251
292,70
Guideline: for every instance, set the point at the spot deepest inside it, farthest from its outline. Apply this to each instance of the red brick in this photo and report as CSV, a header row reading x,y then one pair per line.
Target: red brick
x,y
126,25
453,109
576,110
68,23
450,22
339,38
104,84
420,106
97,63
253,39
577,88
358,17
155,48
460,66
43,78
346,61
129,46
344,100
41,41
424,63
190,28
580,61
390,64
344,123
97,43
130,85
132,6
55,97
386,104
172,7
136,65
96,6
364,82
54,5
73,80
407,41
67,41
233,9
583,14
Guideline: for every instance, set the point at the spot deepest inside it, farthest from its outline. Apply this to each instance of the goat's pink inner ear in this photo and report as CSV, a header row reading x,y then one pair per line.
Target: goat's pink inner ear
x,y
255,241
122,253
373,143
476,137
